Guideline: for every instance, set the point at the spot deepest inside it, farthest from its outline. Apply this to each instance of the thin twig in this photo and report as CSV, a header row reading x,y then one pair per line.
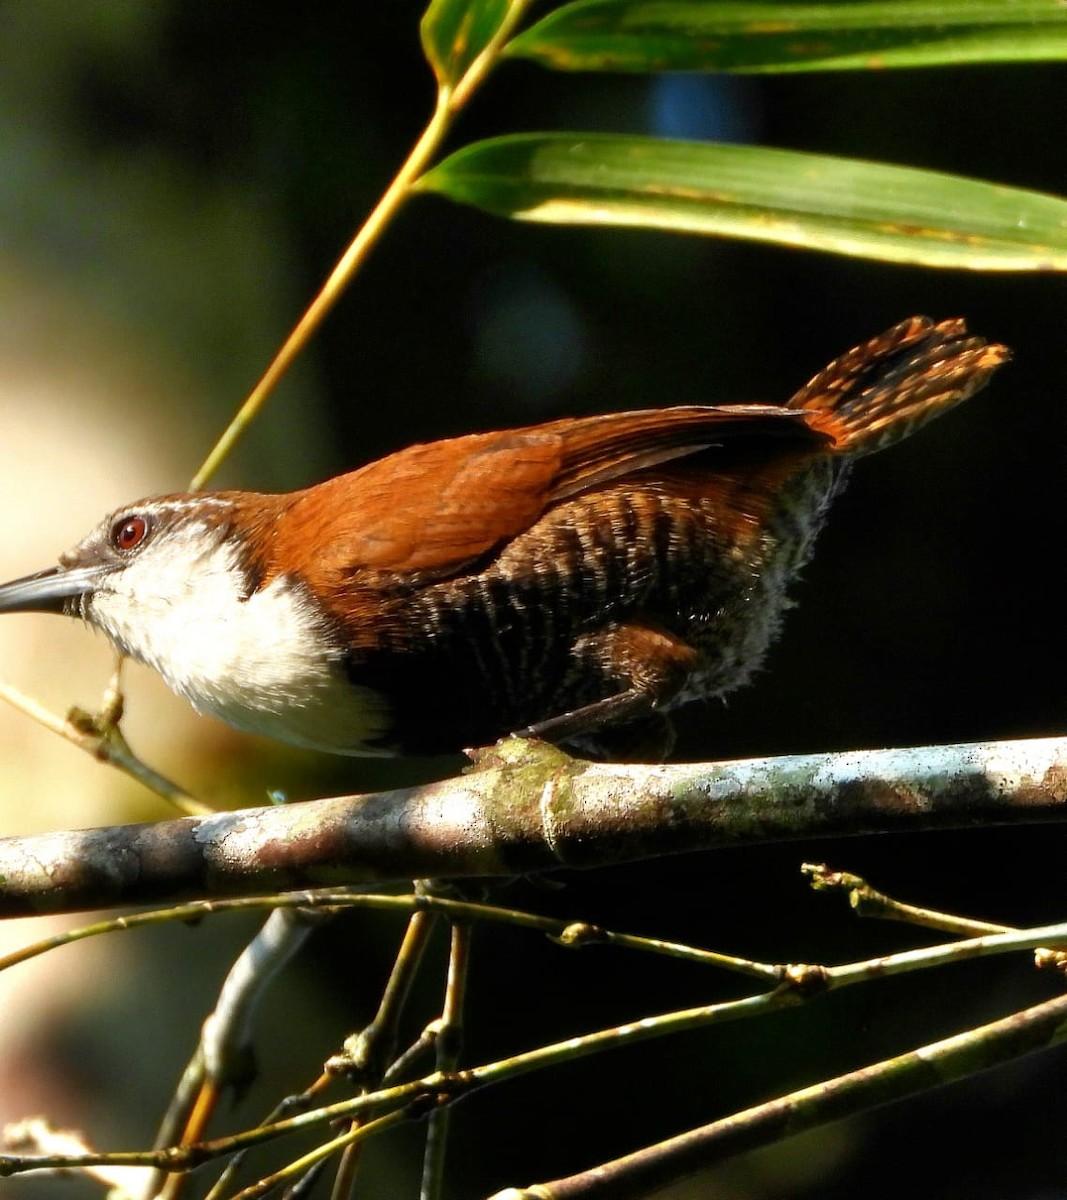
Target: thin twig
x,y
105,742
571,934
868,901
351,1136
221,1060
637,1175
802,983
449,1051
367,1056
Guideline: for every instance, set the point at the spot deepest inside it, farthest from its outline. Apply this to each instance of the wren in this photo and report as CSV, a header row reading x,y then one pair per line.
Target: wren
x,y
563,580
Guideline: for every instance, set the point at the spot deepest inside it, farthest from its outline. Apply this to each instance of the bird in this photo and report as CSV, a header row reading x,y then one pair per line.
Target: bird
x,y
576,580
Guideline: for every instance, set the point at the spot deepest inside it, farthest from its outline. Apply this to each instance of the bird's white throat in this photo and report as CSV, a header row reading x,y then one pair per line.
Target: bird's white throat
x,y
261,661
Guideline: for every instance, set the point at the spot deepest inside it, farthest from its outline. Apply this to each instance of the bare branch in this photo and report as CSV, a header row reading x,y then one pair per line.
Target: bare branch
x,y
526,807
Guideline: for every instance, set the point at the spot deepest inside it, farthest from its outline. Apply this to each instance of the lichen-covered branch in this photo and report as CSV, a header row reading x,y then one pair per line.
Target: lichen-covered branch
x,y
526,807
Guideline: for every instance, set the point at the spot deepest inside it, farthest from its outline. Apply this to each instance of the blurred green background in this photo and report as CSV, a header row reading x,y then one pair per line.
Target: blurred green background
x,y
176,179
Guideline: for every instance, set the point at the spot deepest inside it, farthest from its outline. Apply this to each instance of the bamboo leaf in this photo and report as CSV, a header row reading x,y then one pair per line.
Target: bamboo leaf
x,y
846,206
455,32
704,35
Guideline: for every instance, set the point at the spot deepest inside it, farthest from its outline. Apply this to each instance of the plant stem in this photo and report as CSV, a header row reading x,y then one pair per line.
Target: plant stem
x,y
449,102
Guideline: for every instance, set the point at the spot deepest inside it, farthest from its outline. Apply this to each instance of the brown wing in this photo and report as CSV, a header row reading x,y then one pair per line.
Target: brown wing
x,y
428,510
596,450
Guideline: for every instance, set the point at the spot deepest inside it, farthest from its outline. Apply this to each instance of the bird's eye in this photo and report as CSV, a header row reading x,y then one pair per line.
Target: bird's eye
x,y
128,532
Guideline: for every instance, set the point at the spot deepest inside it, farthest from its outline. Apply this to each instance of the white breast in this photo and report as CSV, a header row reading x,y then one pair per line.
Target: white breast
x,y
262,662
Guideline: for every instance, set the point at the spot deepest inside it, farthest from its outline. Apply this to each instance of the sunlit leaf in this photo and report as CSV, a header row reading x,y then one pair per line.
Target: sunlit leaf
x,y
703,35
455,32
837,204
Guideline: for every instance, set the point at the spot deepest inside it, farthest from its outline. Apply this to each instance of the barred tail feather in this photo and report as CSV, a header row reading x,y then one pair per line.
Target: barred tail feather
x,y
885,389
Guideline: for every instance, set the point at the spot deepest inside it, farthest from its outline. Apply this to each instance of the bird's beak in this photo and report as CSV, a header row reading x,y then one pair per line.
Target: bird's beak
x,y
48,591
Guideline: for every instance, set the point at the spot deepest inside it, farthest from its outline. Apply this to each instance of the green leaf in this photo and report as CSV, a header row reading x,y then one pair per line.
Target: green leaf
x,y
841,205
704,35
455,32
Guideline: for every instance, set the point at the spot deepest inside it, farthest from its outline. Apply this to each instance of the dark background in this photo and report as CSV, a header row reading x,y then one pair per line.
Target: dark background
x,y
931,613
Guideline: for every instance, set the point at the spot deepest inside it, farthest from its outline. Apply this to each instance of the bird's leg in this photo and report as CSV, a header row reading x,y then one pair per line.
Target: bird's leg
x,y
654,663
